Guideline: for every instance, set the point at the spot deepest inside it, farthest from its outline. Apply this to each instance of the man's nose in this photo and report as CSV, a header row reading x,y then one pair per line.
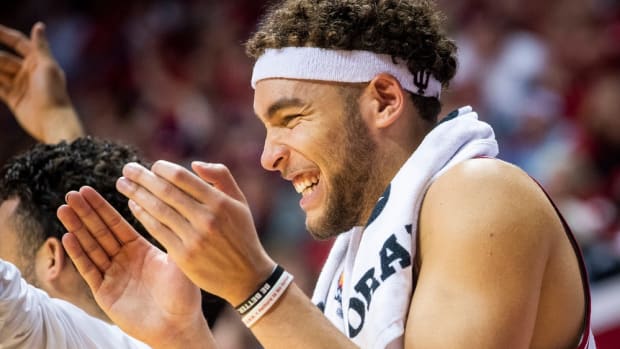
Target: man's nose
x,y
274,155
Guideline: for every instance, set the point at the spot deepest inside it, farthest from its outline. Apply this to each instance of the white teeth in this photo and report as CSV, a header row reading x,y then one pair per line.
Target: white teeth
x,y
305,185
308,190
300,187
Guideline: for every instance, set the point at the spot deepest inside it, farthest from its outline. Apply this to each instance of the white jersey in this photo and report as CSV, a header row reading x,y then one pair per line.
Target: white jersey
x,y
30,319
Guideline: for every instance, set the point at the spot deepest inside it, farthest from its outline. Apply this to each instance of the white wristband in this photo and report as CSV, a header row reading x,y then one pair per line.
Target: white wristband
x,y
268,300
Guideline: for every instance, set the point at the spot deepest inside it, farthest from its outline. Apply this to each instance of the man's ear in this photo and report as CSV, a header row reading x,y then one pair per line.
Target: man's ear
x,y
389,98
51,260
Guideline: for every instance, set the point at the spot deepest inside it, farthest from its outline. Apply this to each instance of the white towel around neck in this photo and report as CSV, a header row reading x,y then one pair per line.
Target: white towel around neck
x,y
376,260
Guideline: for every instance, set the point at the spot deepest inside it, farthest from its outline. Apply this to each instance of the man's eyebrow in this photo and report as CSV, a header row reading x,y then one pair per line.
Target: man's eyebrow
x,y
283,103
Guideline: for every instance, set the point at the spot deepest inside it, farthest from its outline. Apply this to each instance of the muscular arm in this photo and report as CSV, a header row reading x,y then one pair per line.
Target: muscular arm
x,y
29,318
483,250
32,85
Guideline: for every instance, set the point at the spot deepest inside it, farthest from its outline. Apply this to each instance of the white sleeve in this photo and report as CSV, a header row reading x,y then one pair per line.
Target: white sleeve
x,y
29,318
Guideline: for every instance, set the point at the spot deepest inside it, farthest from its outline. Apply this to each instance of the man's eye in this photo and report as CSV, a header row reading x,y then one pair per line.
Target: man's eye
x,y
289,118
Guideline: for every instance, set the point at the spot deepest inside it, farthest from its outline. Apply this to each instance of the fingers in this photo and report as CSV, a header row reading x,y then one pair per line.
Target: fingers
x,y
157,196
122,230
37,35
220,177
91,222
163,234
5,82
154,205
82,262
184,180
90,247
5,79
9,67
170,199
9,64
15,40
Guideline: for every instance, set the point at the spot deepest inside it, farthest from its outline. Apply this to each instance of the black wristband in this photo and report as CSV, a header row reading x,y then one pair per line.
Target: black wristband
x,y
263,290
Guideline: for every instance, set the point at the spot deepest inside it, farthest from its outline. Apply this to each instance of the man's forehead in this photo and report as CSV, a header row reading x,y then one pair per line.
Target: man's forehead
x,y
289,92
280,87
272,93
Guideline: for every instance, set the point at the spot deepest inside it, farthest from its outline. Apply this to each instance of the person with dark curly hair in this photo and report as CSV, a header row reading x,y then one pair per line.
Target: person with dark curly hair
x,y
44,302
32,186
438,244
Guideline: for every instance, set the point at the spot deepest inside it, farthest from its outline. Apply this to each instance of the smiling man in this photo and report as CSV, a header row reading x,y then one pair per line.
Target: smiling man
x,y
337,149
437,243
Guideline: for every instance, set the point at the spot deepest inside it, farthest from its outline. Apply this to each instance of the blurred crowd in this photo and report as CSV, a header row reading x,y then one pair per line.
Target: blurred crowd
x,y
171,77
546,75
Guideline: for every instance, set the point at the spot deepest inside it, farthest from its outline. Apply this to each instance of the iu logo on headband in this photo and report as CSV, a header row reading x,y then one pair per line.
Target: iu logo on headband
x,y
420,80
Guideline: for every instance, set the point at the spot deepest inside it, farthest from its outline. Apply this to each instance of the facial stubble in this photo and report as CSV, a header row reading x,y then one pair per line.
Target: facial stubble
x,y
355,186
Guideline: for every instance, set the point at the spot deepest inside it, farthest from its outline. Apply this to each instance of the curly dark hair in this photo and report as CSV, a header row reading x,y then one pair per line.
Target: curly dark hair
x,y
41,177
405,29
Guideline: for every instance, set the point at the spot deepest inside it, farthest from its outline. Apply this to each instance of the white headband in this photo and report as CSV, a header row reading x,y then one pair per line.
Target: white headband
x,y
313,63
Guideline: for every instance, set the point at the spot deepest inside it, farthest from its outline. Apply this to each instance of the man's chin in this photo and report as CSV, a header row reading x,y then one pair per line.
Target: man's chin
x,y
322,231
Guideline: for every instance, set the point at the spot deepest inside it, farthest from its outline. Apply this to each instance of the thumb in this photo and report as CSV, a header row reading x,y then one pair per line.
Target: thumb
x,y
220,177
39,40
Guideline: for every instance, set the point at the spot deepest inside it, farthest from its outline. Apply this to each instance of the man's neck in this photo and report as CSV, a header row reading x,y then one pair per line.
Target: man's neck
x,y
81,297
88,304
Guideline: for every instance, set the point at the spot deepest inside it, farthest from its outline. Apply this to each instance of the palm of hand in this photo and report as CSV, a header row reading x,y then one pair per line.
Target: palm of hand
x,y
143,291
38,85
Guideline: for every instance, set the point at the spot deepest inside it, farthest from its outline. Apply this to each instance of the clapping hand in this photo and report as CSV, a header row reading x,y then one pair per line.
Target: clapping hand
x,y
135,283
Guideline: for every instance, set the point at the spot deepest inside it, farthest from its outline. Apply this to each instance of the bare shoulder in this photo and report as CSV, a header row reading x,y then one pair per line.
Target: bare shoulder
x,y
489,185
488,175
490,244
490,273
482,198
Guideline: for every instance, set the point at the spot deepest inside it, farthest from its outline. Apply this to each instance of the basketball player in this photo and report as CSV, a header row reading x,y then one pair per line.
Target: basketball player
x,y
438,244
